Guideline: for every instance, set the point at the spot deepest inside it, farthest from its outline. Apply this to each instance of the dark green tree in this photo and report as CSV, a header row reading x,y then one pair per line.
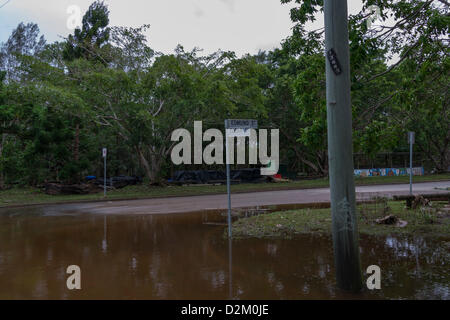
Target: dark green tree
x,y
93,35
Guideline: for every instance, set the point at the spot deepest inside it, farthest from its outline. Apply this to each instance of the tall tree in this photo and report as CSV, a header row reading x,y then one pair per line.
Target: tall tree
x,y
23,41
86,43
93,35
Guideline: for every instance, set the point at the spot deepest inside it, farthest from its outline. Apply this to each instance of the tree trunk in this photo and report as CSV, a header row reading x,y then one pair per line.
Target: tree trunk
x,y
76,154
144,163
155,168
76,147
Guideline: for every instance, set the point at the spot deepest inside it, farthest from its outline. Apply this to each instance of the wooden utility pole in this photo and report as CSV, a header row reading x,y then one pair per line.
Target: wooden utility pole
x,y
340,149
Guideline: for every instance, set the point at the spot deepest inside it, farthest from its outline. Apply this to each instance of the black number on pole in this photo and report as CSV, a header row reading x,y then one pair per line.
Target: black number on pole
x,y
334,62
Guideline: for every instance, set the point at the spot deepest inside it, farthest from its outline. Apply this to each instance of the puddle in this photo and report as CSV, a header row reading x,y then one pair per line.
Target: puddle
x,y
183,256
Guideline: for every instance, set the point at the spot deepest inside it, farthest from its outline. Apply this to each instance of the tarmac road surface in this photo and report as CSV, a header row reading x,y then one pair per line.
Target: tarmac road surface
x,y
239,200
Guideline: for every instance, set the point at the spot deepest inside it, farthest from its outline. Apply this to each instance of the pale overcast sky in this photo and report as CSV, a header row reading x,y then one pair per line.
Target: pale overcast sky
x,y
243,26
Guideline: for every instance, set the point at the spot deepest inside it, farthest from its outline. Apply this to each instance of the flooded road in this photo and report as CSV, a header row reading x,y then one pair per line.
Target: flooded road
x,y
184,256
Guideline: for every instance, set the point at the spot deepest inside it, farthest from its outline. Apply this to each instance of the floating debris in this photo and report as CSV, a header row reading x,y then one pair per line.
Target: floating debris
x,y
420,201
392,220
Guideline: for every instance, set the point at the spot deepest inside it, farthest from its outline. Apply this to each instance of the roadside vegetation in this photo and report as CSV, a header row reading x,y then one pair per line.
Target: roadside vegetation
x,y
288,224
106,86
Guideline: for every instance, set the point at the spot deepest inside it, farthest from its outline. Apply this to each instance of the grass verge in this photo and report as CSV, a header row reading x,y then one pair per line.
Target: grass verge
x,y
287,224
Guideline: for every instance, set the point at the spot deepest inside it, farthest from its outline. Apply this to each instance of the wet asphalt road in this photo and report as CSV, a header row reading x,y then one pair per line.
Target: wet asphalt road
x,y
214,202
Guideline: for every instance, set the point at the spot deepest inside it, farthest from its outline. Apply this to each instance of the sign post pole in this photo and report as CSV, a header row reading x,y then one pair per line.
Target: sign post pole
x,y
228,184
244,127
411,140
104,152
241,125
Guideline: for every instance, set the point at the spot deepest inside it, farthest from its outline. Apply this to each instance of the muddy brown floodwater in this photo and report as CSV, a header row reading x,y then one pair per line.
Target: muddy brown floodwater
x,y
184,256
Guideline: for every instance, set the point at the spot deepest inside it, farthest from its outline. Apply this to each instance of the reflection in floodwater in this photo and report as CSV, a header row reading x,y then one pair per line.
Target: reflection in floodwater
x,y
182,257
230,268
104,241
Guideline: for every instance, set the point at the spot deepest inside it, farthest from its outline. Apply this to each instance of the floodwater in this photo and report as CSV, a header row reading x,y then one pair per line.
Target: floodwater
x,y
184,256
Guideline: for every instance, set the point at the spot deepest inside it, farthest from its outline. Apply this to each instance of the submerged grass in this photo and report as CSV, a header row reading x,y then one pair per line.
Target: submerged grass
x,y
287,224
28,195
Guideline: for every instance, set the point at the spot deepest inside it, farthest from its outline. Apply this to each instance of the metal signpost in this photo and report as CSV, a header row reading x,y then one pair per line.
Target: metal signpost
x,y
104,152
411,141
244,127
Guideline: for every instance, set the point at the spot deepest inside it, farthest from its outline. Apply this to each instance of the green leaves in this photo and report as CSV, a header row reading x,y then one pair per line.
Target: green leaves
x,y
87,41
104,86
306,11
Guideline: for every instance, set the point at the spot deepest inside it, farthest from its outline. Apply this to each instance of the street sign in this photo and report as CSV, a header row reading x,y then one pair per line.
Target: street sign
x,y
235,128
244,124
411,137
104,151
238,133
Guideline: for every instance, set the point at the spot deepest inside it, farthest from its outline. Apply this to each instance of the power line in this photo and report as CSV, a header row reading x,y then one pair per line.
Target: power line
x,y
8,1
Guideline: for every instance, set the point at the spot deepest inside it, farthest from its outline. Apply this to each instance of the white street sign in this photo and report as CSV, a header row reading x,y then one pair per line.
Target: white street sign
x,y
104,152
238,132
241,124
235,128
411,137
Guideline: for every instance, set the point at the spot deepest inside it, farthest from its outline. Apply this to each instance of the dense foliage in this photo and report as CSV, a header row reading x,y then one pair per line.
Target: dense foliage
x,y
60,103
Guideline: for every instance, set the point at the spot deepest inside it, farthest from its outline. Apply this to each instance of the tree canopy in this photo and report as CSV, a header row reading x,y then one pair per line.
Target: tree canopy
x,y
61,102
